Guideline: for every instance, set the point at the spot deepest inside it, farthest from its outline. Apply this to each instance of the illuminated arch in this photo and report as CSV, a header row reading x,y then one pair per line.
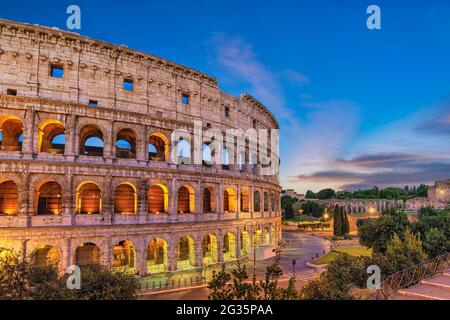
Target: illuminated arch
x,y
9,198
45,256
185,253
11,133
125,199
186,199
158,199
91,141
208,200
124,256
266,202
245,200
87,254
126,144
229,200
257,201
245,243
158,147
51,137
229,247
265,239
210,249
183,152
89,198
157,259
49,198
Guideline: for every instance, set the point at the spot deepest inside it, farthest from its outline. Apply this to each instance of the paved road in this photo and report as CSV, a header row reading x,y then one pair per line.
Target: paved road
x,y
299,247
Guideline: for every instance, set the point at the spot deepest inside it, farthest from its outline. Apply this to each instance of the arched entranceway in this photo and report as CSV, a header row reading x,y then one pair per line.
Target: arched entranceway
x,y
91,141
51,137
229,247
229,200
45,256
11,133
185,253
208,203
158,199
126,144
87,254
186,200
257,201
158,147
245,243
125,199
49,198
124,256
9,198
210,252
245,200
157,261
89,198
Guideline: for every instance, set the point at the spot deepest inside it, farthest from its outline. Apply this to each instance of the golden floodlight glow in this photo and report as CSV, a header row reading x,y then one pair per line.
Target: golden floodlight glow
x,y
371,210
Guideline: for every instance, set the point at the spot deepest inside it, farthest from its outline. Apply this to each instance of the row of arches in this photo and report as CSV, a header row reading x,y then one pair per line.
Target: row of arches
x,y
91,142
157,254
89,199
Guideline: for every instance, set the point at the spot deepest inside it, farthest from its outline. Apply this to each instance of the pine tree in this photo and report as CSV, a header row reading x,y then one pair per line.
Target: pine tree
x,y
345,222
337,223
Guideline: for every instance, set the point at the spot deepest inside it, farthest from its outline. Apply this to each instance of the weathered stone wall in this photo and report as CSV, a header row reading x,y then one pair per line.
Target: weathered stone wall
x,y
94,70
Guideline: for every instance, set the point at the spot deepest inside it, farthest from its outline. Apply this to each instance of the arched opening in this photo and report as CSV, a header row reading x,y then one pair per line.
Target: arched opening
x,y
210,249
158,147
245,200
158,199
229,200
186,200
87,254
49,198
9,198
208,200
207,155
266,202
89,199
265,237
257,235
51,137
272,202
11,133
225,159
273,232
157,260
257,202
91,141
126,144
124,256
229,247
186,253
241,161
45,256
184,152
245,243
125,199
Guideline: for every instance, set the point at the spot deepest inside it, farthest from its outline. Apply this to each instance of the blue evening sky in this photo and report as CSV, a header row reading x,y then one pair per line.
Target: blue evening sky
x,y
357,107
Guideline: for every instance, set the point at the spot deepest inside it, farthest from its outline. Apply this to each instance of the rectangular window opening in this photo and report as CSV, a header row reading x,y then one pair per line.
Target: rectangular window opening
x,y
128,84
93,103
185,99
11,92
56,71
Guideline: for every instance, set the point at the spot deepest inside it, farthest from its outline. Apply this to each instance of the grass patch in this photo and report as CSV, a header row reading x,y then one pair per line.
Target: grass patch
x,y
357,251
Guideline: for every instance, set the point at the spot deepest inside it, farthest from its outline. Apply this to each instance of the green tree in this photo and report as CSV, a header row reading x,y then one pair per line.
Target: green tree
x,y
218,286
435,243
337,222
345,222
376,233
310,195
406,253
326,194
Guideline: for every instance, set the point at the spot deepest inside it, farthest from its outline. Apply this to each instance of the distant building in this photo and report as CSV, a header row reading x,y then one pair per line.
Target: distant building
x,y
291,193
439,194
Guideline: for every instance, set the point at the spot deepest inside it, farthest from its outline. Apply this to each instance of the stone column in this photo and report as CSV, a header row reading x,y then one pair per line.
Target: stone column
x,y
107,201
219,200
109,148
28,133
172,255
107,252
198,251
220,246
173,199
71,129
142,200
238,243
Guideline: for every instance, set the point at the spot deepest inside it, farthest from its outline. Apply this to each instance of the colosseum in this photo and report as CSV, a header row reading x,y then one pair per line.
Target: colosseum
x,y
86,176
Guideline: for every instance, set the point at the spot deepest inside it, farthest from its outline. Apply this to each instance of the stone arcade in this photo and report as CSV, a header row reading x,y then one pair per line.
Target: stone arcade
x,y
84,172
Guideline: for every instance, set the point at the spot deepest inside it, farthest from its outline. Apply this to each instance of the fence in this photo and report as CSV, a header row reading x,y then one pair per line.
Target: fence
x,y
412,276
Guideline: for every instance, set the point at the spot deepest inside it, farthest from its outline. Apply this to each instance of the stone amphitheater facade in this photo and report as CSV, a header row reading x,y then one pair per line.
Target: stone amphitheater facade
x,y
85,174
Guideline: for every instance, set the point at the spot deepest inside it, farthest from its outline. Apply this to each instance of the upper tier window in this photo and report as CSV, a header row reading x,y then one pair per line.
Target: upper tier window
x,y
185,99
57,71
128,85
227,112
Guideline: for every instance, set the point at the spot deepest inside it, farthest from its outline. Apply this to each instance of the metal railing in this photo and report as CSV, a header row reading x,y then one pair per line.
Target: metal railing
x,y
412,276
